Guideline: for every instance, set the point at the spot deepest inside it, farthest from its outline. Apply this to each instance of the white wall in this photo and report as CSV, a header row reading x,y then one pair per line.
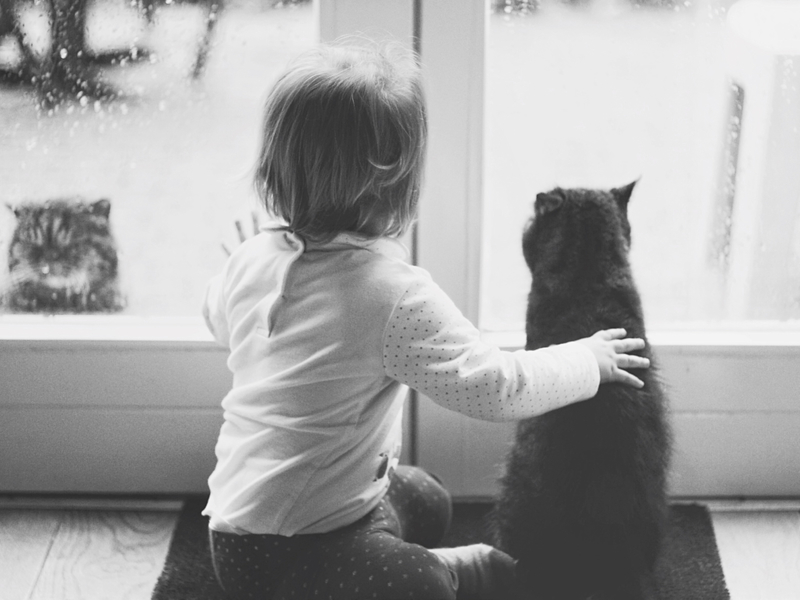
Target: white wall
x,y
735,411
110,417
141,415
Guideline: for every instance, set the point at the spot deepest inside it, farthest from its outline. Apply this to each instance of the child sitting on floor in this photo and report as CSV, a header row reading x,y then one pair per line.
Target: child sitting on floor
x,y
327,325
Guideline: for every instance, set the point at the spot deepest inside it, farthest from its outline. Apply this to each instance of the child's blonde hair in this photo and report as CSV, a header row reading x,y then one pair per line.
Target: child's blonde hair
x,y
344,142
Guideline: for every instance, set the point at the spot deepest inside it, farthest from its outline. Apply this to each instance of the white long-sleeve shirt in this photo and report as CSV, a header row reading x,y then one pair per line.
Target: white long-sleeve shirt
x,y
324,340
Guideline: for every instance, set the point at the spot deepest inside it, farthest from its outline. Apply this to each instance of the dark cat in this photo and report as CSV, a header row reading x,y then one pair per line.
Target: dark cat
x,y
583,502
63,258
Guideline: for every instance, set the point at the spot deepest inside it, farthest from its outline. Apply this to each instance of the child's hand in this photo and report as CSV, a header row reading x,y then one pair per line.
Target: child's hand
x,y
609,347
241,233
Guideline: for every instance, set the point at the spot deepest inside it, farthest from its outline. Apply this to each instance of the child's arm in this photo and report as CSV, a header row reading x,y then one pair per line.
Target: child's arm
x,y
431,347
213,308
214,311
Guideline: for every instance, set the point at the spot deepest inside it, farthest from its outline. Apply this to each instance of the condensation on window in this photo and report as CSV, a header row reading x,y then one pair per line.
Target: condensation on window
x,y
703,112
722,220
128,132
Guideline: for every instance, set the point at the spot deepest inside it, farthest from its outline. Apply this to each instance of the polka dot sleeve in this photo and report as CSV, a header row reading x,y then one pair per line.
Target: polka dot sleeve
x,y
431,347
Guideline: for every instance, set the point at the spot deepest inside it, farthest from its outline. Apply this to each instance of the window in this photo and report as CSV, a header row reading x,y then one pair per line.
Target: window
x,y
159,113
698,99
600,95
680,95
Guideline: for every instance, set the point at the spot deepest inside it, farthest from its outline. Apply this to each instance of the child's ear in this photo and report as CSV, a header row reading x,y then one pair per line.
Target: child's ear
x,y
546,203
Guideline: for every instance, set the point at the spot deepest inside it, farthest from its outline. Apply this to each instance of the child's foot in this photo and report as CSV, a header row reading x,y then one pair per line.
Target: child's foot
x,y
482,572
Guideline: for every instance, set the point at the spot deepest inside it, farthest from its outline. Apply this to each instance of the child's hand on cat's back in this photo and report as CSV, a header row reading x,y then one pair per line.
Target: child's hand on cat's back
x,y
609,347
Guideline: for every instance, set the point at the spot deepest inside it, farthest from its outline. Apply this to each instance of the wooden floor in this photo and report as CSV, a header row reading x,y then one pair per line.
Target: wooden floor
x,y
82,554
90,554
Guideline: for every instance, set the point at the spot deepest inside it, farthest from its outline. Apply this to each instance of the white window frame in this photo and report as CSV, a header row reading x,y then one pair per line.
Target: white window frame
x,y
115,404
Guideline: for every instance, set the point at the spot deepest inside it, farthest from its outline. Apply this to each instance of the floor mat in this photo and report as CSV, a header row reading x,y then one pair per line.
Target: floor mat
x,y
689,567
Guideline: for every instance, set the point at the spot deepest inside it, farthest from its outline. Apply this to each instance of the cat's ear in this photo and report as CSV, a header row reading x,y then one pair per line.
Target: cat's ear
x,y
101,208
623,194
546,203
13,209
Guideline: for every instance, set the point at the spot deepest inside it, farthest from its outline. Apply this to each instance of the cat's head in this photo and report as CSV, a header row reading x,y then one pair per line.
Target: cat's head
x,y
52,237
578,233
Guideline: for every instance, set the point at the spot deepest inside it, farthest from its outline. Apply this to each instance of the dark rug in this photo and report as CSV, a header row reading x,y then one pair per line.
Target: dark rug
x,y
689,567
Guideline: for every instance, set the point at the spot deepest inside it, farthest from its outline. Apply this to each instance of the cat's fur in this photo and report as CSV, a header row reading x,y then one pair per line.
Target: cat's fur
x,y
583,501
62,258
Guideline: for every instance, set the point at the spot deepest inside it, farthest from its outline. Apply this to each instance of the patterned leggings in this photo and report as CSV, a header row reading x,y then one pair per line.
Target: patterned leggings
x,y
382,556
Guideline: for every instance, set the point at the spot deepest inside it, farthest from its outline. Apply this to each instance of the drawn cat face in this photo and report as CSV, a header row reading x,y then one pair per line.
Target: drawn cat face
x,y
62,257
578,234
50,237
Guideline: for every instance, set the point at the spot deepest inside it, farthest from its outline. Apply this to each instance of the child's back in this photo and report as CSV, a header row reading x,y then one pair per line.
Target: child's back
x,y
312,417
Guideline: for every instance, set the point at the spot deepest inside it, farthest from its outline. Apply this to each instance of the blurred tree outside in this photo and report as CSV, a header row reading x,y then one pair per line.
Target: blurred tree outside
x,y
66,70
69,69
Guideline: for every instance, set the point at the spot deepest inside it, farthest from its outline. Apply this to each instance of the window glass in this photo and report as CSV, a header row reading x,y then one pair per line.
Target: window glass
x,y
683,95
152,105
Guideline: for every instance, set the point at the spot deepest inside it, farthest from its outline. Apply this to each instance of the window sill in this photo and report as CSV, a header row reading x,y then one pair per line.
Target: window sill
x,y
105,330
743,334
191,331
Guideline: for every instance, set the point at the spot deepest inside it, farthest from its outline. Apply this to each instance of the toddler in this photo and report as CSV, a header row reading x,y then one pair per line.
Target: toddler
x,y
327,324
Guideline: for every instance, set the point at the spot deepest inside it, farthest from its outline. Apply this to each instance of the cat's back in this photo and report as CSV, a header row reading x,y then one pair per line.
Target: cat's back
x,y
615,434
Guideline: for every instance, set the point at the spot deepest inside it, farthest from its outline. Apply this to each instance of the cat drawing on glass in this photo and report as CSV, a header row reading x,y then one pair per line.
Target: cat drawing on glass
x,y
62,258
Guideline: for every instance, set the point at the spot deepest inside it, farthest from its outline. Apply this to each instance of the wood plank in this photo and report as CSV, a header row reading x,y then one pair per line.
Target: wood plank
x,y
87,502
25,538
760,553
101,555
752,504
